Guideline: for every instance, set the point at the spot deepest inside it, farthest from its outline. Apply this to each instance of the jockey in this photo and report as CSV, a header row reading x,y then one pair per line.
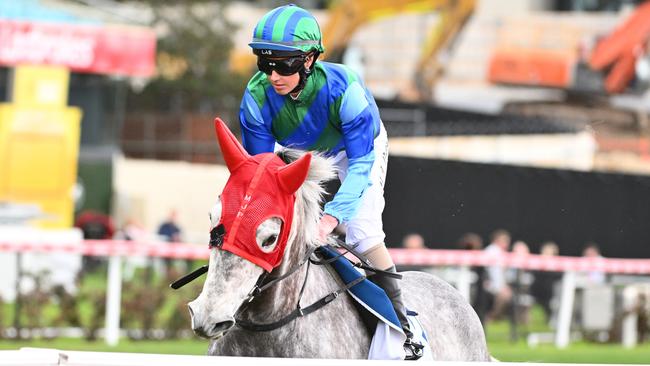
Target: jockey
x,y
298,102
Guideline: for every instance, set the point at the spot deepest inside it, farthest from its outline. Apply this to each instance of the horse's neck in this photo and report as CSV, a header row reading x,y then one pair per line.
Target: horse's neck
x,y
280,299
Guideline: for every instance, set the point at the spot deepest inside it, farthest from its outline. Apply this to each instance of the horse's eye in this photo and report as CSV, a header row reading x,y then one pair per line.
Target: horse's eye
x,y
269,241
266,234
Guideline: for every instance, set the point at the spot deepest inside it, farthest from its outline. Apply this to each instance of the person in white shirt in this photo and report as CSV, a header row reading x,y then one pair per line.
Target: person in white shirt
x,y
496,283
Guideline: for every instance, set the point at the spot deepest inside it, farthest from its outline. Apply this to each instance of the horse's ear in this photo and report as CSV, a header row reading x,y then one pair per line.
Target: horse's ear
x,y
233,152
293,175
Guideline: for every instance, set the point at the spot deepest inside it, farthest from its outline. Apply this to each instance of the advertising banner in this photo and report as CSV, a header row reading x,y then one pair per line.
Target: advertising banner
x,y
117,50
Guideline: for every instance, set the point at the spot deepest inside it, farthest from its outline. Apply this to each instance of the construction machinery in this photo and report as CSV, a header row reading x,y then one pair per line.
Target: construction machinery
x,y
346,16
618,62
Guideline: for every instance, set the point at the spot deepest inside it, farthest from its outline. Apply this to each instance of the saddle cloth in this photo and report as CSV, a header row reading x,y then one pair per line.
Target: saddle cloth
x,y
388,339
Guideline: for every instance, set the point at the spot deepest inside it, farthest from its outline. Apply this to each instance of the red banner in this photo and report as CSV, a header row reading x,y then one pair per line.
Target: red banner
x,y
83,48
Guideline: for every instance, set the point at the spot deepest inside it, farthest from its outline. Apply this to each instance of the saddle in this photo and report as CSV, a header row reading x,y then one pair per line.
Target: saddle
x,y
373,304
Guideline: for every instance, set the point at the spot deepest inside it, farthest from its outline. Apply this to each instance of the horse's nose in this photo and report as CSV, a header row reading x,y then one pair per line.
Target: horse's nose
x,y
200,331
189,307
222,327
202,327
216,331
195,322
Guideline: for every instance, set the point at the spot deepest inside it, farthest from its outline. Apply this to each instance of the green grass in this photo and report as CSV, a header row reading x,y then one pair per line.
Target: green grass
x,y
180,347
502,348
579,352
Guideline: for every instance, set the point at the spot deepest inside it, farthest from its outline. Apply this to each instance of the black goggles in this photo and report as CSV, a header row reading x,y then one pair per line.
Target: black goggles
x,y
283,66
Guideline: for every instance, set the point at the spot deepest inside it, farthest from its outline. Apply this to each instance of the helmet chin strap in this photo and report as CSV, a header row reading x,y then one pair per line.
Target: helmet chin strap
x,y
304,74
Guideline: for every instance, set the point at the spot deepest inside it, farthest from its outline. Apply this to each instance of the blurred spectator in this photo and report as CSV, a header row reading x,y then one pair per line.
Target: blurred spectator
x,y
593,310
544,282
520,248
496,284
643,317
470,241
171,232
520,280
132,230
549,248
413,241
591,250
94,225
478,296
169,229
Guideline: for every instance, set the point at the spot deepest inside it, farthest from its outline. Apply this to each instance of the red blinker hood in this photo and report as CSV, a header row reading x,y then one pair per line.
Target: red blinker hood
x,y
259,187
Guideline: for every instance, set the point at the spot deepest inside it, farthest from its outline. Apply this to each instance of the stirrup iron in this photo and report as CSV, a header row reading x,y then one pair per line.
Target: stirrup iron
x,y
413,350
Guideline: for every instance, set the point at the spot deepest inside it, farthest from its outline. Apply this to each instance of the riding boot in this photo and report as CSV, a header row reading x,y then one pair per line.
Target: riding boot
x,y
392,288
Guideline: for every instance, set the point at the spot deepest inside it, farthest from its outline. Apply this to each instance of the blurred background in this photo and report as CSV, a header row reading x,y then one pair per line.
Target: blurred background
x,y
529,118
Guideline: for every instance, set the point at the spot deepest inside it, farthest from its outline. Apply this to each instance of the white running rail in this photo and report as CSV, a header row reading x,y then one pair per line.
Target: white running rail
x,y
47,357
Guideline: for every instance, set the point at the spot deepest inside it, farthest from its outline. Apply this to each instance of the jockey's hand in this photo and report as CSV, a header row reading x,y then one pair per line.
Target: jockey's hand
x,y
326,225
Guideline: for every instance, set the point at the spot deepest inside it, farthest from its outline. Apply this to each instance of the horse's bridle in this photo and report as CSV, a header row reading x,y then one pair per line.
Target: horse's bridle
x,y
265,282
300,311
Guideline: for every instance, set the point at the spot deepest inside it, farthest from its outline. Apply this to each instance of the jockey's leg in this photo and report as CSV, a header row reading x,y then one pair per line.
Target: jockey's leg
x,y
380,258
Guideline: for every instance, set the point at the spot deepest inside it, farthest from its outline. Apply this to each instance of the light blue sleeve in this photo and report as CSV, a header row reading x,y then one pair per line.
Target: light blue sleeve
x,y
346,202
256,135
358,126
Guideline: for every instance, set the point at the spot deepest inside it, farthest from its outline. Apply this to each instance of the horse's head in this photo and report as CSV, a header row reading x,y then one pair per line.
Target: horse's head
x,y
250,227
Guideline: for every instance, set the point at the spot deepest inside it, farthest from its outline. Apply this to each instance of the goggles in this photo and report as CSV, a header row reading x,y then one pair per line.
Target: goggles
x,y
283,66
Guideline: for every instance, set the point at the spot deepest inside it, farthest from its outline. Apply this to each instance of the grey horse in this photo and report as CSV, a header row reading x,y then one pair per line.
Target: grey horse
x,y
335,330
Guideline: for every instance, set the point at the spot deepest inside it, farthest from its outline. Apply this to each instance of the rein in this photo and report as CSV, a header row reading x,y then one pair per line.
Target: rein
x,y
216,240
261,286
299,311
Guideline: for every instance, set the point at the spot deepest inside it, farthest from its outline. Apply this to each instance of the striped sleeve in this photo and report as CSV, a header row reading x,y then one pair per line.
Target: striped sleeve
x,y
256,134
358,135
357,122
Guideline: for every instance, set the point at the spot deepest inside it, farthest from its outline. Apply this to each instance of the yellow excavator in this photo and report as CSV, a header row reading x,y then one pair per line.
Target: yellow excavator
x,y
347,16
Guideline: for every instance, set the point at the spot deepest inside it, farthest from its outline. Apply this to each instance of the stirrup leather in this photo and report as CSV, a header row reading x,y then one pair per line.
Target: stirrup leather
x,y
413,350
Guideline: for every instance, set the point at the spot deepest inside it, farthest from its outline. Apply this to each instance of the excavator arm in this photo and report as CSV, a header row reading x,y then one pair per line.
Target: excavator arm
x,y
346,16
621,49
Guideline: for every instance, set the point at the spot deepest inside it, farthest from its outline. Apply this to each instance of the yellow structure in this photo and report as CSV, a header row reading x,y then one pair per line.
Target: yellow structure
x,y
39,144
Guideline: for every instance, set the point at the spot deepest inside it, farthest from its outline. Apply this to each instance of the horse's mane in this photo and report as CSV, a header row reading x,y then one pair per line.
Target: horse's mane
x,y
310,194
